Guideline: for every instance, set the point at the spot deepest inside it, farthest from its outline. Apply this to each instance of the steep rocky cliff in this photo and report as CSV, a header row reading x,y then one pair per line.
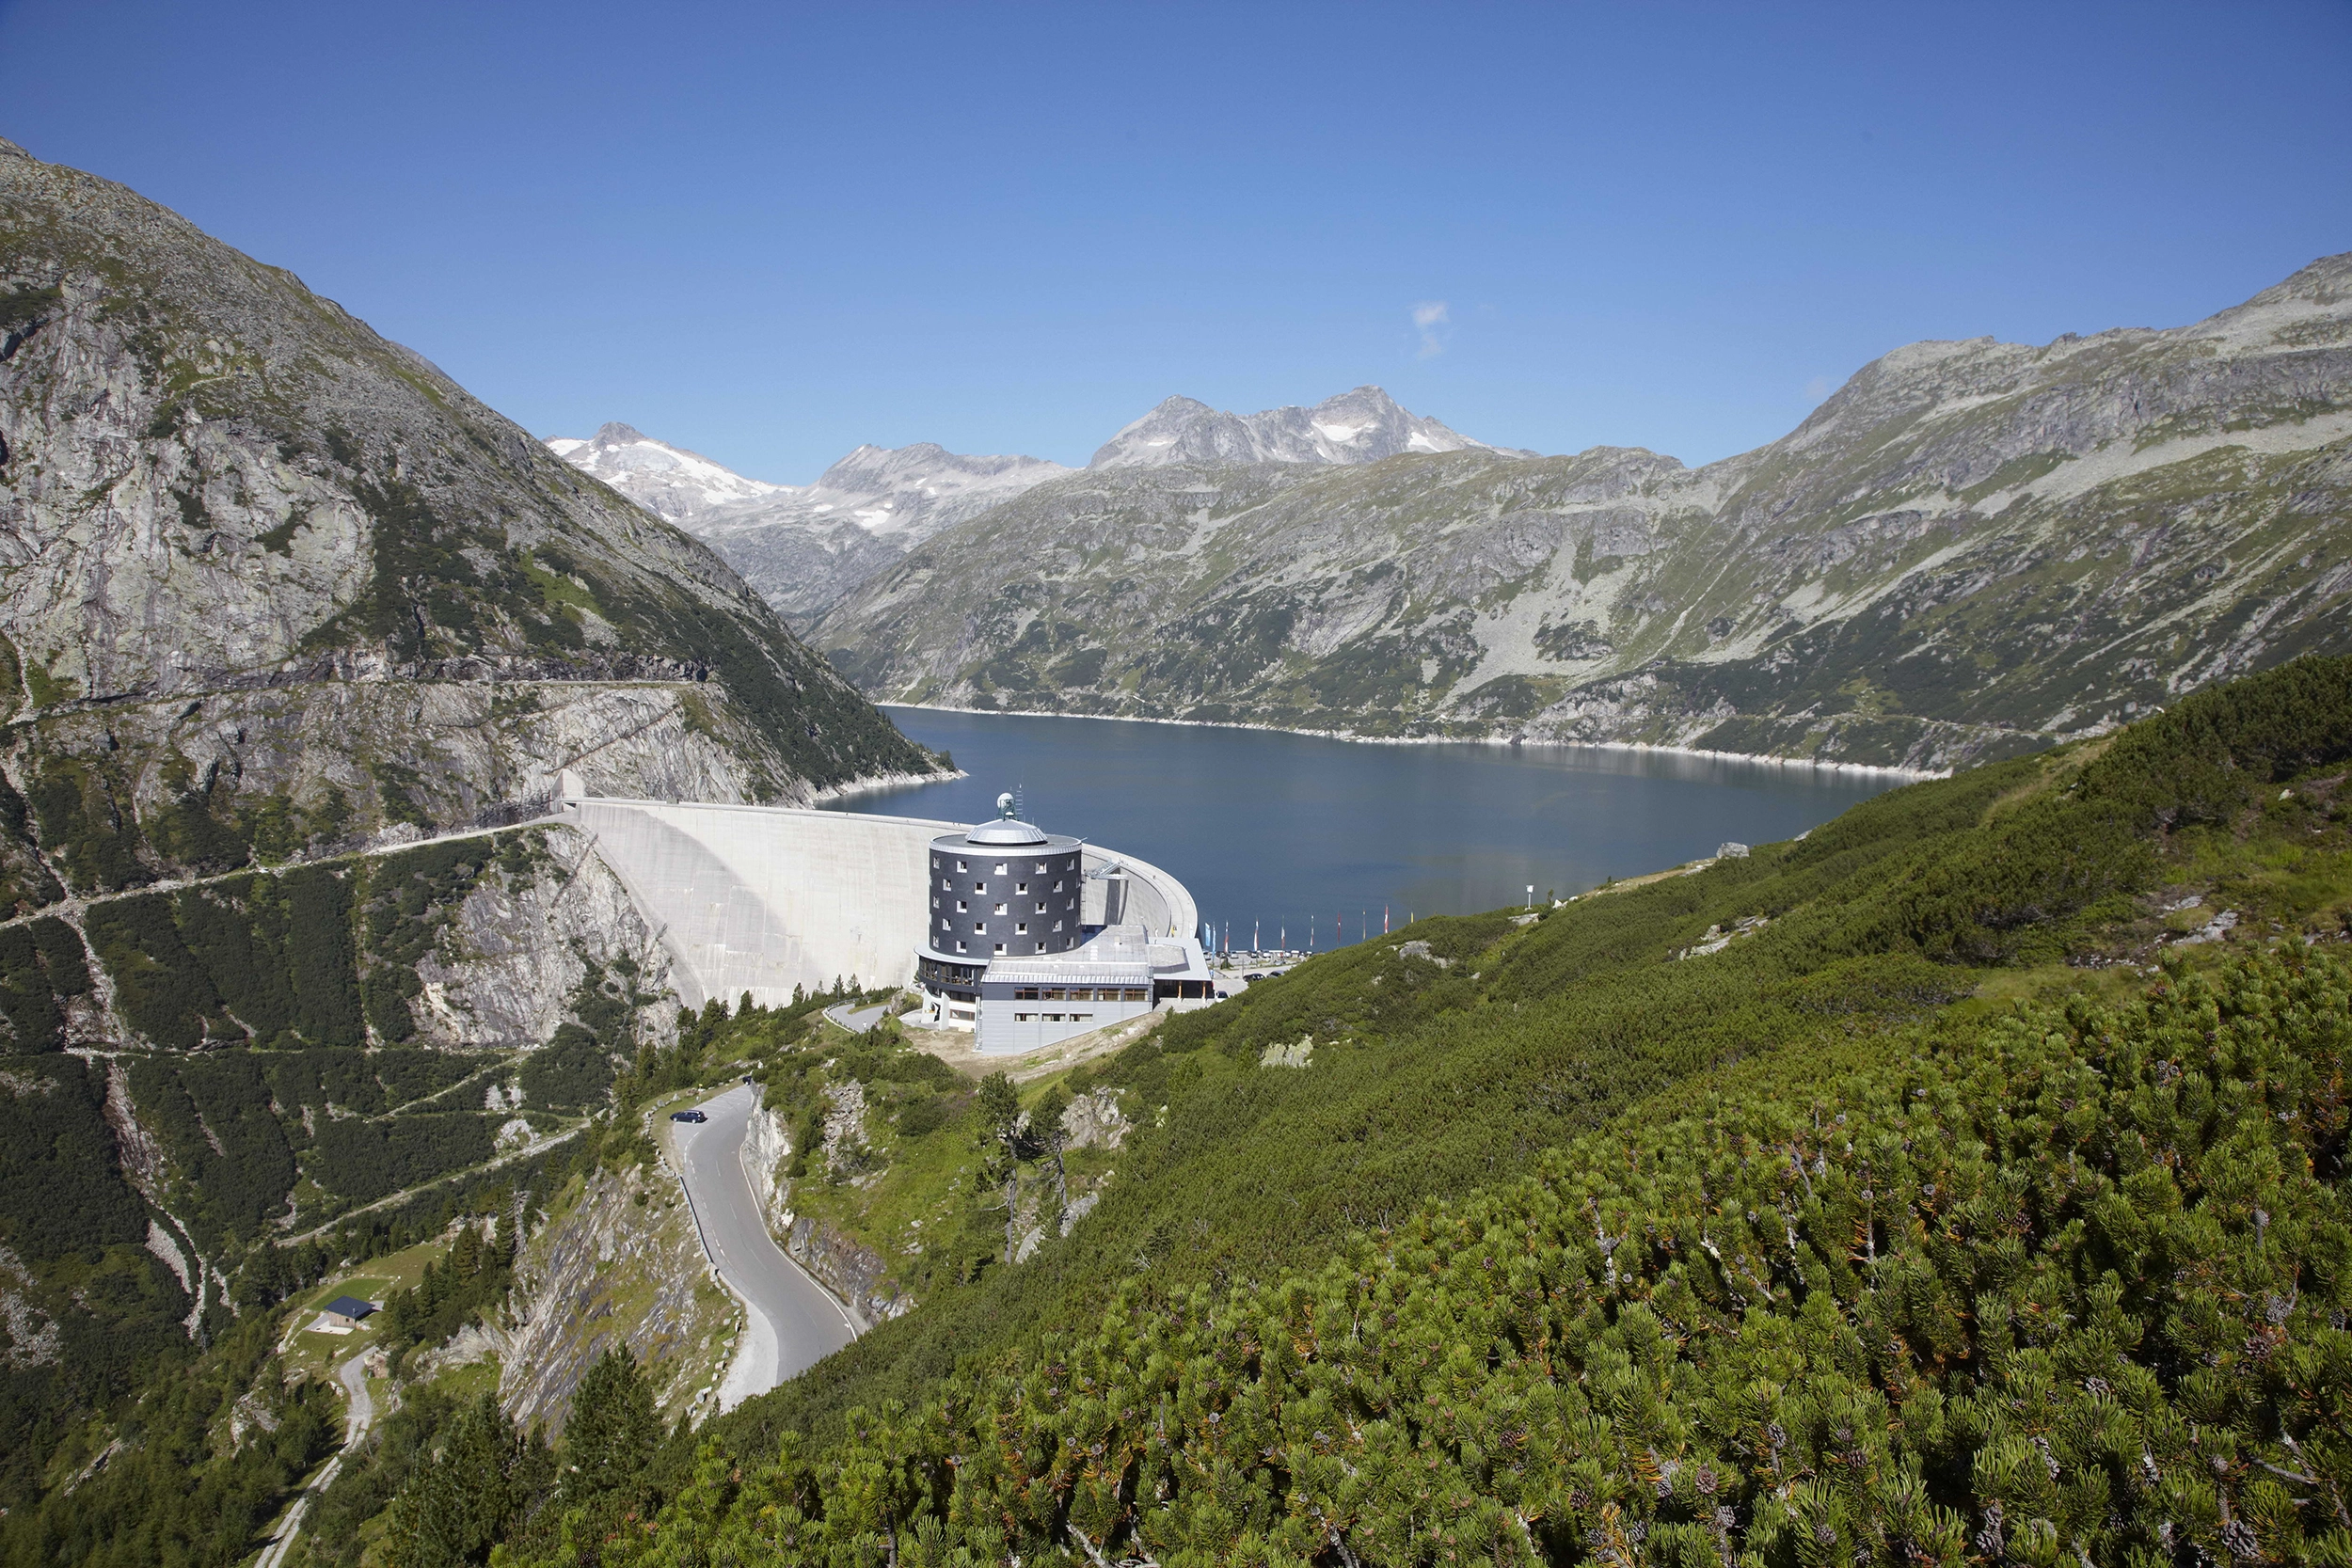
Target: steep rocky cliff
x,y
267,579
615,1263
1970,549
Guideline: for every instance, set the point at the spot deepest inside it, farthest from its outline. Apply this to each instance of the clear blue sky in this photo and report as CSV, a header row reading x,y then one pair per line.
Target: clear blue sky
x,y
771,232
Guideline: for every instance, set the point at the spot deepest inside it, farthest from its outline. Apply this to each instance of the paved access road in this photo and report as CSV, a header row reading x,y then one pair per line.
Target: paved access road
x,y
357,1419
792,1323
857,1020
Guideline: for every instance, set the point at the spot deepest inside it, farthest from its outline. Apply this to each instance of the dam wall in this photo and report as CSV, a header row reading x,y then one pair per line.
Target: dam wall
x,y
764,898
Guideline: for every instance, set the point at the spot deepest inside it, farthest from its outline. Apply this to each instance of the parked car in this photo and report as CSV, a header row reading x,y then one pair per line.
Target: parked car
x,y
689,1115
1253,977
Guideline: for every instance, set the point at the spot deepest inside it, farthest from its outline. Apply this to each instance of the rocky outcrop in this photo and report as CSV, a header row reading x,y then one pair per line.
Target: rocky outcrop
x,y
1970,549
851,1271
766,1147
617,1262
1094,1120
844,1125
514,954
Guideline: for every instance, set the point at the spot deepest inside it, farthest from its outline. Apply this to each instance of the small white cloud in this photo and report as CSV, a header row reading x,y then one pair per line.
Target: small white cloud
x,y
1817,388
1429,315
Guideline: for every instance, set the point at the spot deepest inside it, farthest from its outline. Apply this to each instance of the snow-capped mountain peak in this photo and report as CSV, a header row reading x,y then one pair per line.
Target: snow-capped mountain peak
x,y
804,546
668,481
1362,426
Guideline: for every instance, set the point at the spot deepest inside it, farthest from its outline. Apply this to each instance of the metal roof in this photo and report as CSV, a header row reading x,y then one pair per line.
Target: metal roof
x,y
351,1306
1042,972
1002,835
1004,830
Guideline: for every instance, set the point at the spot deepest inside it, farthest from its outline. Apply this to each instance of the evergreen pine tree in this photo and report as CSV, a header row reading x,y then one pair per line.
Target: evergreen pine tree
x,y
1000,1146
463,1499
609,1437
465,1254
1045,1132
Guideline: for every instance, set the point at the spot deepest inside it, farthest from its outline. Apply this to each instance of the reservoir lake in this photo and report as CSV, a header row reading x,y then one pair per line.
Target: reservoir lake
x,y
1300,833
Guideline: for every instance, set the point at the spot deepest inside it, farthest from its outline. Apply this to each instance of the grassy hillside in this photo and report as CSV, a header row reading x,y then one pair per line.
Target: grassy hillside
x,y
1964,959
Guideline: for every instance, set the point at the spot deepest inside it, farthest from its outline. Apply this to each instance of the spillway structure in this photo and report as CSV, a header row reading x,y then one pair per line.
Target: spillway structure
x,y
764,899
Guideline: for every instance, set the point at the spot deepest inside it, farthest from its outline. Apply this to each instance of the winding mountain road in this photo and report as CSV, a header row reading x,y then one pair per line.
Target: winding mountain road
x,y
792,1322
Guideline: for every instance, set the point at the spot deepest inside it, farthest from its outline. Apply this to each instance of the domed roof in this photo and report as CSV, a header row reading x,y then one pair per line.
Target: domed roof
x,y
1005,829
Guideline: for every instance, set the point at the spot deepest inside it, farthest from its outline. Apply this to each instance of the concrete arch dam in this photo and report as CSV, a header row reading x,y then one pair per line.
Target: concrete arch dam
x,y
764,898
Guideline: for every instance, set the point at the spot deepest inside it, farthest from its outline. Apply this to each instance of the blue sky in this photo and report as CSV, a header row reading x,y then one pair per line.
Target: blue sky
x,y
771,232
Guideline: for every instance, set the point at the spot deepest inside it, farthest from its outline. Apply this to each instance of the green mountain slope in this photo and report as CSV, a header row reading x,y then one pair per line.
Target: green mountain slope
x,y
1971,549
1689,1285
1960,1181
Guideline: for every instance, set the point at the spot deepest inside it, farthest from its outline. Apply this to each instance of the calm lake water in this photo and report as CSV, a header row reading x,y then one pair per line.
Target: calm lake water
x,y
1289,829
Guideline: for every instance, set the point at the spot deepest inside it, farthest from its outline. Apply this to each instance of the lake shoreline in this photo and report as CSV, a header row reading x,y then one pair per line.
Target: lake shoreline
x,y
1872,769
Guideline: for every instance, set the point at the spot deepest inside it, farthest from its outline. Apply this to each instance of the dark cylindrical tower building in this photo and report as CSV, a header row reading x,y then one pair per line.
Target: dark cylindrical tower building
x,y
1004,890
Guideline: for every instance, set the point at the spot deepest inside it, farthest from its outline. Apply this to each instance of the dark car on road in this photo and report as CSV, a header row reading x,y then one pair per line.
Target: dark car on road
x,y
689,1115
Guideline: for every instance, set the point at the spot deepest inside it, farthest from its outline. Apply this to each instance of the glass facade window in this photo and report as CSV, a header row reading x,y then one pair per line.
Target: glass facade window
x,y
960,866
1002,868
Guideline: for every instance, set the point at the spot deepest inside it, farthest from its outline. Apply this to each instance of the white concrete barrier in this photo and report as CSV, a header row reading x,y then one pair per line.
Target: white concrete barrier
x,y
764,898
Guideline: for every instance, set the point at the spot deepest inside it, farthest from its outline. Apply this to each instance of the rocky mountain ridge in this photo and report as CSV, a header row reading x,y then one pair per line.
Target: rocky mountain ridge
x,y
259,564
1968,549
278,598
804,547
